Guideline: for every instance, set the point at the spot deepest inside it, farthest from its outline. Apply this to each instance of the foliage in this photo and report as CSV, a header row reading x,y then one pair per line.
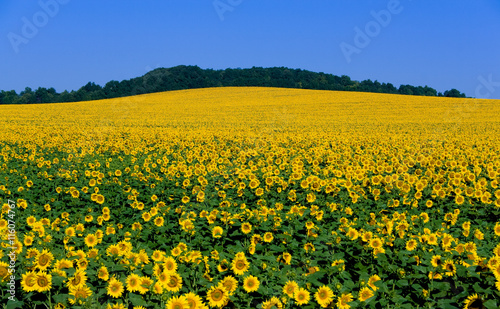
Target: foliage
x,y
189,77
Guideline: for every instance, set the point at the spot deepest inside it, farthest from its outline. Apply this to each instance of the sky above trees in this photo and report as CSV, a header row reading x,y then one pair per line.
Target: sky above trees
x,y
65,44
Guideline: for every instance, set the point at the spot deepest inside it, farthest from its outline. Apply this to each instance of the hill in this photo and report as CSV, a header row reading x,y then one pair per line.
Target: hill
x,y
190,77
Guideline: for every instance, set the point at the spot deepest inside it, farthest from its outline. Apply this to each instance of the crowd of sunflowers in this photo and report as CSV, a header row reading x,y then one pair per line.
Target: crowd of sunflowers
x,y
251,198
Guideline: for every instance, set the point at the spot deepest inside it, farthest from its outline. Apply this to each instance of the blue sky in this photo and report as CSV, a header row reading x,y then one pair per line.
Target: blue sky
x,y
66,43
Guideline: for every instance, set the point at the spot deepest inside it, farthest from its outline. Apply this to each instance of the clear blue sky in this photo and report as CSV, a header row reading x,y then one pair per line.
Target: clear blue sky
x,y
66,43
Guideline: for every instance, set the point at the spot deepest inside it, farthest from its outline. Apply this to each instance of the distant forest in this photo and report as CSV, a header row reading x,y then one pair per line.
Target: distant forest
x,y
189,77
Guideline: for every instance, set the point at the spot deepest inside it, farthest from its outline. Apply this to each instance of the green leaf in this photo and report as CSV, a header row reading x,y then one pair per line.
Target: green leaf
x,y
491,304
445,304
477,288
137,300
14,304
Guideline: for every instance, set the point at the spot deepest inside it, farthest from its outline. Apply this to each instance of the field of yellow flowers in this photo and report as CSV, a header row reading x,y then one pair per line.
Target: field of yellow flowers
x,y
251,198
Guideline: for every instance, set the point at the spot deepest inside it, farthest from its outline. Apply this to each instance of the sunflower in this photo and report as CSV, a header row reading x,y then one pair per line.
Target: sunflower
x,y
91,240
75,193
31,220
78,279
251,284
144,284
28,282
274,302
376,243
194,301
43,259
179,302
170,265
309,247
217,296
290,288
474,301
158,221
353,234
449,267
146,216
268,237
70,231
28,240
173,282
301,296
158,255
100,199
365,293
366,236
343,300
115,288
324,296
240,265
435,276
230,284
411,244
287,257
223,266
103,273
246,228
217,232
436,261
43,282
133,282
372,280
79,292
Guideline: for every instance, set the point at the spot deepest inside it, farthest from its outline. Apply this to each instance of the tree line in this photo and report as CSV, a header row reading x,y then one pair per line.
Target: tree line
x,y
189,77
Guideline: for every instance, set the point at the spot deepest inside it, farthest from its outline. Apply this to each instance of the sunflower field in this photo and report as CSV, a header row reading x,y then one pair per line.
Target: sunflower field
x,y
251,198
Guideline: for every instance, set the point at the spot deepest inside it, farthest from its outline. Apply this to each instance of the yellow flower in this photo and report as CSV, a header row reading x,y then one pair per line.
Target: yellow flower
x,y
43,282
324,296
79,293
173,282
246,228
177,302
44,259
91,240
217,232
343,300
365,293
28,282
290,287
217,296
436,261
159,221
372,280
133,282
301,296
268,237
251,284
240,265
78,279
103,273
376,243
230,284
473,301
115,288
194,301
